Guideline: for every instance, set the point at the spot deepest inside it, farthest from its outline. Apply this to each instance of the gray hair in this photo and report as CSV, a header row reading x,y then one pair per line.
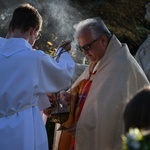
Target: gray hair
x,y
95,25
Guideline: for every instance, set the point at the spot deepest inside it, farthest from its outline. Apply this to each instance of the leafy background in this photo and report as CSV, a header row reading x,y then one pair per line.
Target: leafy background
x,y
125,18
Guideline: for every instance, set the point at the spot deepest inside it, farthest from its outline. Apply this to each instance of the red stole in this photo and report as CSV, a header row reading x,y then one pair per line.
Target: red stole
x,y
83,92
79,93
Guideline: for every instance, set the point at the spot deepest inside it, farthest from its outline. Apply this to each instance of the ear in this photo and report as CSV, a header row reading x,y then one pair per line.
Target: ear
x,y
104,40
32,30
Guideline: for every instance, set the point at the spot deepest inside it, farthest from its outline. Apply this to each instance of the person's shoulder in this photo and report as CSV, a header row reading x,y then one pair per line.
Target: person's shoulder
x,y
38,51
2,40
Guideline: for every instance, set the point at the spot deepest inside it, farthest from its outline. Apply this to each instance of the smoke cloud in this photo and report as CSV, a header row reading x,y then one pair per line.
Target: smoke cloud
x,y
58,16
61,16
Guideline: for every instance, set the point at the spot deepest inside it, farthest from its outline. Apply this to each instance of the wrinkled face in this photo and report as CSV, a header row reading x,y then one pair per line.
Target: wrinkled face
x,y
147,16
92,48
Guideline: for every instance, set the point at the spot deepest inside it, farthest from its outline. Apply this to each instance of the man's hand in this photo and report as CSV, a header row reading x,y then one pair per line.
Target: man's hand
x,y
52,97
65,45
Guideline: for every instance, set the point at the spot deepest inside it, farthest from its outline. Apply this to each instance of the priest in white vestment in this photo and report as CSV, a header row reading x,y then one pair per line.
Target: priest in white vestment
x,y
100,94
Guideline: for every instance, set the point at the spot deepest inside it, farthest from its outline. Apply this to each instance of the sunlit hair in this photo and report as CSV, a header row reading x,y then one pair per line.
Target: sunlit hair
x,y
95,25
26,16
137,111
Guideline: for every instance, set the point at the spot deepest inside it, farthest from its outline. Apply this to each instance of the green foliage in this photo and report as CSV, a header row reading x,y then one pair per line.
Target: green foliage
x,y
136,140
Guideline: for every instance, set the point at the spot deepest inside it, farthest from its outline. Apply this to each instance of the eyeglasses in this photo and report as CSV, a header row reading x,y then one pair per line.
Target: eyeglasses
x,y
86,47
38,35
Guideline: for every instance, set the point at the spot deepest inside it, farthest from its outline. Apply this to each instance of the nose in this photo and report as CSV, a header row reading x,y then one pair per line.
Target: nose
x,y
85,52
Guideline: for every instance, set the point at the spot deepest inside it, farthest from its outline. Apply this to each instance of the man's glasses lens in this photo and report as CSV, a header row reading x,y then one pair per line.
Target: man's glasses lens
x,y
79,48
86,47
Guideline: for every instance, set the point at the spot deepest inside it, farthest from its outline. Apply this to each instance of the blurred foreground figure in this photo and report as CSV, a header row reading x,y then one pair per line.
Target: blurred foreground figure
x,y
137,121
99,95
143,54
26,77
137,112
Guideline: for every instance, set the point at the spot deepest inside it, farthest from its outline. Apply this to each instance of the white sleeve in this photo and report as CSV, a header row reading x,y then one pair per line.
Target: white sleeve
x,y
55,76
43,102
